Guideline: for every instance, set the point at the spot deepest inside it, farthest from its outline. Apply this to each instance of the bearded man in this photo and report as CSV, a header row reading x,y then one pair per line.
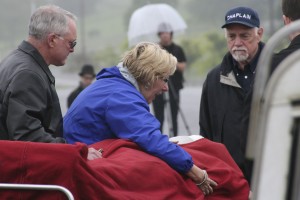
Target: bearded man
x,y
227,90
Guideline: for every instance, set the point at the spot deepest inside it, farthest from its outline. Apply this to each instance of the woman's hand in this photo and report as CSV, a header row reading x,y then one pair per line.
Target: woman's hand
x,y
200,177
206,185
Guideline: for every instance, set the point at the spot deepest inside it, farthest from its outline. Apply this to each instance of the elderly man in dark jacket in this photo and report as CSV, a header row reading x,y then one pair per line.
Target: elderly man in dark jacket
x,y
227,90
29,105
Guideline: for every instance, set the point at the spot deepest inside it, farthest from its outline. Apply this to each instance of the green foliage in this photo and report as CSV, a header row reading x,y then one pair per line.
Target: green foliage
x,y
204,52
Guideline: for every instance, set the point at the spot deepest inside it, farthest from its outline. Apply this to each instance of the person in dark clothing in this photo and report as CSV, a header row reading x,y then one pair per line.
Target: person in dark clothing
x,y
290,10
87,75
29,105
176,81
227,90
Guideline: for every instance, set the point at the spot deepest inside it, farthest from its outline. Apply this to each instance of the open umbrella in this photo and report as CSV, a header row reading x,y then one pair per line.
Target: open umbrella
x,y
145,21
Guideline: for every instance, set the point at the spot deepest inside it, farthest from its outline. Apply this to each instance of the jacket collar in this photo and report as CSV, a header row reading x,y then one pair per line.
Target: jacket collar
x,y
127,75
295,42
229,80
34,53
227,75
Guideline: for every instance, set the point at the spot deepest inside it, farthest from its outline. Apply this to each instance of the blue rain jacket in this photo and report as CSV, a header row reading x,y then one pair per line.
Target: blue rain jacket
x,y
113,108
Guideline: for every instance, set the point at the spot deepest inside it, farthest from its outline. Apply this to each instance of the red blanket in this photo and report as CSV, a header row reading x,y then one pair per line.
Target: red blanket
x,y
125,172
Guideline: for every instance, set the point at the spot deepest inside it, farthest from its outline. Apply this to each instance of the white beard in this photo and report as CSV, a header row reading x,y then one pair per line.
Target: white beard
x,y
240,54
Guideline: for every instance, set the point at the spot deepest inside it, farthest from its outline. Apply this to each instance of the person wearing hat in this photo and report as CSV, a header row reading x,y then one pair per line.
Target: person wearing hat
x,y
87,75
165,34
227,90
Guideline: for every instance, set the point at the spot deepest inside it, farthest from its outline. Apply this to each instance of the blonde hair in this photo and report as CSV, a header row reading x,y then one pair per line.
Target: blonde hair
x,y
148,62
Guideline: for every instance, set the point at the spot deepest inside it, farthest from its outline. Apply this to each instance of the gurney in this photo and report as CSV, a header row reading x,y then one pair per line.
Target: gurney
x,y
11,186
124,172
273,138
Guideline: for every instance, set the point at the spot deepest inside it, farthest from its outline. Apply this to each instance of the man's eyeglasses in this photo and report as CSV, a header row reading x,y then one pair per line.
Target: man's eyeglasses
x,y
72,44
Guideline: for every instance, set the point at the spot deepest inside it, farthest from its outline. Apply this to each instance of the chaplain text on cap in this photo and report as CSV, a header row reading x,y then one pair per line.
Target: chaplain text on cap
x,y
242,15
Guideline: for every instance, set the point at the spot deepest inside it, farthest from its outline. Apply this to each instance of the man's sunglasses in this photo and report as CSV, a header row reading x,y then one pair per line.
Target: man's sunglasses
x,y
72,44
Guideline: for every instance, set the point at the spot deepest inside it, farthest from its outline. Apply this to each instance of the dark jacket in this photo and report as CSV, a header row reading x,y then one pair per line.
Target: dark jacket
x,y
29,105
74,94
177,78
225,109
277,58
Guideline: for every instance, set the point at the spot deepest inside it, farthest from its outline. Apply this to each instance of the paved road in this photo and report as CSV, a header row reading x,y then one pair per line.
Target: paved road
x,y
189,102
189,105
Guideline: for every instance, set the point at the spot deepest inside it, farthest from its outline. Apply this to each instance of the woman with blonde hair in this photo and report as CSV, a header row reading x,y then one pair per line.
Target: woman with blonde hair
x,y
116,105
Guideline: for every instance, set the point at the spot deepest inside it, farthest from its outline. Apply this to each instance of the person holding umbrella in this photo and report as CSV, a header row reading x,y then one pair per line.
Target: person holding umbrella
x,y
165,34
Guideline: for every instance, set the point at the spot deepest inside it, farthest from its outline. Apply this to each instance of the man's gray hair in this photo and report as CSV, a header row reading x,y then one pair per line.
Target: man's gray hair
x,y
49,19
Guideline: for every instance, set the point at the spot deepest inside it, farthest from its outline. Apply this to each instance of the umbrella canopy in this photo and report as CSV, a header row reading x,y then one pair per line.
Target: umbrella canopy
x,y
145,22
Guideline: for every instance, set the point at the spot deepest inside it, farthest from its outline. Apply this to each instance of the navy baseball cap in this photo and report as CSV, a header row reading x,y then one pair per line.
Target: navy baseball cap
x,y
242,15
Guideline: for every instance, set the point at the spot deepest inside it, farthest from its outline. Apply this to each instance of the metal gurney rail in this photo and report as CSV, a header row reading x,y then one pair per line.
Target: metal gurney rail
x,y
36,187
273,128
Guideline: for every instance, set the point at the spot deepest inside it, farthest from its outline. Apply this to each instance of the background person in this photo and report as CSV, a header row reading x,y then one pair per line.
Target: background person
x,y
116,105
87,75
165,34
227,90
290,10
